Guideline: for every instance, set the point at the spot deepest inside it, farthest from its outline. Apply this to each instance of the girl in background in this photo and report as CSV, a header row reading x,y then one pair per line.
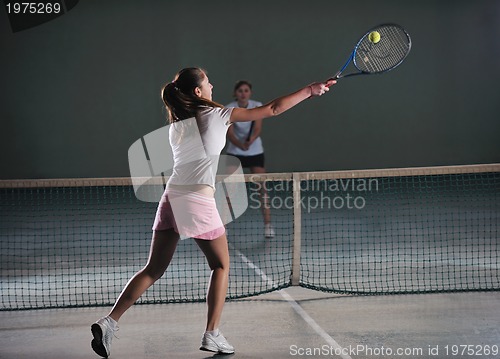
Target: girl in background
x,y
245,144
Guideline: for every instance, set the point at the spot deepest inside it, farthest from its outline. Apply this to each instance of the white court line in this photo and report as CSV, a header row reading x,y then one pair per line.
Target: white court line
x,y
298,309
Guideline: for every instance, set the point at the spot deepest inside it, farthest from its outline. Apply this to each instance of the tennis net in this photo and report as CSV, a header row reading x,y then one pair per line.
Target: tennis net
x,y
69,243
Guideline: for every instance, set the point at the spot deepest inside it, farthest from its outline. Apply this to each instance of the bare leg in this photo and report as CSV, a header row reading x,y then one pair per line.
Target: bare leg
x,y
266,210
217,254
162,249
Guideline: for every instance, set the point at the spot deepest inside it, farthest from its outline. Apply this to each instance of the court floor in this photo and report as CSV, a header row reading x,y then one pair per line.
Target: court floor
x,y
294,322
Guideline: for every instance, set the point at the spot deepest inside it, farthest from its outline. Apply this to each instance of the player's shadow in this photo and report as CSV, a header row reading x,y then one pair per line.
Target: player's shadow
x,y
219,355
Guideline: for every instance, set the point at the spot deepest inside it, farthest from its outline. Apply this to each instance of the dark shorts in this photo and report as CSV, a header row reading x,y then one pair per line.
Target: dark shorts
x,y
251,161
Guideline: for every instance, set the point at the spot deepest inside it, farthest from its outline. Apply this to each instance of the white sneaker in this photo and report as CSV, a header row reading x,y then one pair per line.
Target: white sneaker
x,y
269,231
103,332
217,344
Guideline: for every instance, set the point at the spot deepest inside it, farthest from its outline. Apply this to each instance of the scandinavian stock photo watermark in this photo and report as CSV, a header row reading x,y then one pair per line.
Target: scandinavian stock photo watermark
x,y
151,163
331,194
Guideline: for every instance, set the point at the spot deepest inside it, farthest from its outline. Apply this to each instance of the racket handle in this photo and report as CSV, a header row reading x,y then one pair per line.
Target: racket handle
x,y
250,132
336,77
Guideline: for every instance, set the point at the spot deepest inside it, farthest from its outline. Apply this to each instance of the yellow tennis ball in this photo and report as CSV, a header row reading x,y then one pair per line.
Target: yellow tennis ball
x,y
374,37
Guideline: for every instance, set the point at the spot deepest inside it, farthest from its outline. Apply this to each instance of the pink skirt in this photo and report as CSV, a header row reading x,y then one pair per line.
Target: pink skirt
x,y
190,214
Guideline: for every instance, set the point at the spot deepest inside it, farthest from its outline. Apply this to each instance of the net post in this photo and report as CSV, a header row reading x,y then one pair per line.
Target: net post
x,y
297,228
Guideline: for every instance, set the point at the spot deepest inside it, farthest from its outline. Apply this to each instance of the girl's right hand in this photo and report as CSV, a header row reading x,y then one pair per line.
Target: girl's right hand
x,y
319,88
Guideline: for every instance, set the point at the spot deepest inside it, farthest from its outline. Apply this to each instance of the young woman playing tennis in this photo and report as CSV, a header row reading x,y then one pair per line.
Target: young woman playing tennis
x,y
197,136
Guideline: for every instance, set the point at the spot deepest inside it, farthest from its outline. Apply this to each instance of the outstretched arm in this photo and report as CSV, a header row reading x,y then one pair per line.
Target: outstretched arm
x,y
281,104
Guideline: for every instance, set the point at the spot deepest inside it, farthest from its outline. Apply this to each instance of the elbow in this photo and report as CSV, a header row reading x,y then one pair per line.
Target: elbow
x,y
275,110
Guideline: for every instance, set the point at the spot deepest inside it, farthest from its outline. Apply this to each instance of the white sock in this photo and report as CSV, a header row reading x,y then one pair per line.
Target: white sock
x,y
214,332
111,321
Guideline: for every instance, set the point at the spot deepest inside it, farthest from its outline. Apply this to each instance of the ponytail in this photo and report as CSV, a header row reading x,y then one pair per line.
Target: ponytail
x,y
179,97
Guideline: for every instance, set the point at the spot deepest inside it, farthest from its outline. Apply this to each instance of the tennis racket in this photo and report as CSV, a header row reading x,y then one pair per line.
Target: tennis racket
x,y
379,50
250,131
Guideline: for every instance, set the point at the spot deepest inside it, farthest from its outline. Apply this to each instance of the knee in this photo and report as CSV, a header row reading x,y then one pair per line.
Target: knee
x,y
153,273
220,266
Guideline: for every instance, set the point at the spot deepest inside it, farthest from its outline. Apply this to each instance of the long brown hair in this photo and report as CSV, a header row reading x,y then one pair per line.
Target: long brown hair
x,y
179,96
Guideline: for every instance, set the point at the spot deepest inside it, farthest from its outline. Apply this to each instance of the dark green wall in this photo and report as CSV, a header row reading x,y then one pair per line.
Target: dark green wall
x,y
78,91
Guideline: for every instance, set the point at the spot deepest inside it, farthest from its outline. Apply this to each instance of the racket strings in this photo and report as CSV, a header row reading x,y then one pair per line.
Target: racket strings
x,y
384,55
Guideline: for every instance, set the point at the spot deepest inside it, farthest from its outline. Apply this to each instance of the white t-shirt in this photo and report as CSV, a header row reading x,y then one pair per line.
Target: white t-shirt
x,y
196,146
241,131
